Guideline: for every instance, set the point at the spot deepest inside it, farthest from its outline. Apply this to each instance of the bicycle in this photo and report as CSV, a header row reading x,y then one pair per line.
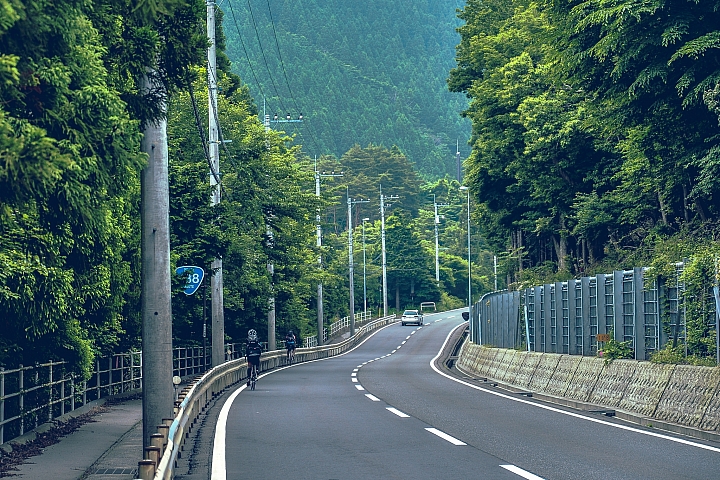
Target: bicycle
x,y
253,376
291,355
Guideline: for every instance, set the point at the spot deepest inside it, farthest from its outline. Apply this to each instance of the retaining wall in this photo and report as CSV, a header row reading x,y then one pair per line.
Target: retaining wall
x,y
684,395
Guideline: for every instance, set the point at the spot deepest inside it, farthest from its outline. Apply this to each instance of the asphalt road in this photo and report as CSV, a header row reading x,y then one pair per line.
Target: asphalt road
x,y
382,412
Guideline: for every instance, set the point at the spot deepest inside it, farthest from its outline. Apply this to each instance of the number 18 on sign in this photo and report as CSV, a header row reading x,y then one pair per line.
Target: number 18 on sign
x,y
194,276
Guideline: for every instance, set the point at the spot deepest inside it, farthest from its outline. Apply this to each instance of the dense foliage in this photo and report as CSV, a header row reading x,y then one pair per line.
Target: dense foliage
x,y
359,72
594,127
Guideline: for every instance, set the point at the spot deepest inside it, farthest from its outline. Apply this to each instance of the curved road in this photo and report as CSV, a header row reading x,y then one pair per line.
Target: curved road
x,y
382,412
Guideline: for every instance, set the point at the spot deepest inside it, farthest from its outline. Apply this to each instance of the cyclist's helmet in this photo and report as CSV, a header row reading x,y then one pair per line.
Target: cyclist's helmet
x,y
252,335
290,332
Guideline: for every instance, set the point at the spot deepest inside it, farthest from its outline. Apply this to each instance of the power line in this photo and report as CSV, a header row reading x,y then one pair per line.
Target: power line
x,y
262,51
247,56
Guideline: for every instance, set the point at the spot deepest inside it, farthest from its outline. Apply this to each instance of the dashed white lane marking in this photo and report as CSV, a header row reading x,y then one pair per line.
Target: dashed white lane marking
x,y
359,387
355,370
354,380
407,338
372,397
404,342
393,351
523,473
354,374
397,412
399,346
412,333
445,436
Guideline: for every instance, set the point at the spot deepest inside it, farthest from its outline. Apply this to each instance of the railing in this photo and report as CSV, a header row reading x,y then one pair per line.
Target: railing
x,y
194,400
337,327
35,394
567,317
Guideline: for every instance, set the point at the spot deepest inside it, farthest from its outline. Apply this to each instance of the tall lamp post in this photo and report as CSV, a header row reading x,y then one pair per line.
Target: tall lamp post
x,y
467,191
364,272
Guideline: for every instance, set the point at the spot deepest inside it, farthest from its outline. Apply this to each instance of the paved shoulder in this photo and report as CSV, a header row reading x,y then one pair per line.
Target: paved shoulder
x,y
108,447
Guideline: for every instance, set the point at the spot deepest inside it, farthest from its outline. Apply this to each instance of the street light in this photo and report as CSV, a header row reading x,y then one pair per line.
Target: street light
x,y
364,280
467,190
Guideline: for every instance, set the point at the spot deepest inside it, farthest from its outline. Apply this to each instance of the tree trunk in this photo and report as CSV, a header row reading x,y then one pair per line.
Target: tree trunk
x,y
397,296
663,213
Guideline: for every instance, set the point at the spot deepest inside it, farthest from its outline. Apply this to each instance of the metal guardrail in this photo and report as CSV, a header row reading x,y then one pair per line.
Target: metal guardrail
x,y
337,327
195,398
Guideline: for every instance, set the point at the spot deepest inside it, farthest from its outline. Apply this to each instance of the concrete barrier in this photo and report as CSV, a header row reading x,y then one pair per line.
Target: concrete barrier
x,y
560,381
586,376
543,372
612,382
527,369
675,396
645,388
688,394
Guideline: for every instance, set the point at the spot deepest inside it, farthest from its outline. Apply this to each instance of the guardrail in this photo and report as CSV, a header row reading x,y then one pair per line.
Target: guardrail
x,y
193,399
337,327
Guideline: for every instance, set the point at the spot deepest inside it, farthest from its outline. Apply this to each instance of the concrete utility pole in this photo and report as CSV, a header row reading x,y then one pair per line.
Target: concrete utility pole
x,y
216,282
467,190
437,239
458,162
320,315
364,271
350,203
157,365
382,241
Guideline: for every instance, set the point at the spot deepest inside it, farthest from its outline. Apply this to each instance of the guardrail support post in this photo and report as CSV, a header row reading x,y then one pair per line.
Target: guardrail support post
x,y
146,469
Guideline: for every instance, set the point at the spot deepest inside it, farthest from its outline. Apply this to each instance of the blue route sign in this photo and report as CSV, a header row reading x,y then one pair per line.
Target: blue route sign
x,y
194,277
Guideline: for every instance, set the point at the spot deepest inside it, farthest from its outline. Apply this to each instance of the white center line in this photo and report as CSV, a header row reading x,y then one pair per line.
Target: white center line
x,y
356,369
407,338
521,472
393,351
397,412
354,380
445,436
359,387
372,397
354,374
403,343
412,333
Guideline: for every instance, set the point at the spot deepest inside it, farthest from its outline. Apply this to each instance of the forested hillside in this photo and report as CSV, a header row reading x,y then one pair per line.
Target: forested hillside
x,y
360,73
595,132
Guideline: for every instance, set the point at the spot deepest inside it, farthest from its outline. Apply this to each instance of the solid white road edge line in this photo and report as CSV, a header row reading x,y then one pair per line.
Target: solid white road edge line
x,y
557,410
218,470
523,473
445,436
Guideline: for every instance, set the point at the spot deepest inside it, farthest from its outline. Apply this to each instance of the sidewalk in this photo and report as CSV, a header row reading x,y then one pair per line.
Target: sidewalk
x,y
107,448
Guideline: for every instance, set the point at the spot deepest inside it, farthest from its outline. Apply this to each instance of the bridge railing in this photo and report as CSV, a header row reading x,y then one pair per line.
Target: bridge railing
x,y
337,327
195,398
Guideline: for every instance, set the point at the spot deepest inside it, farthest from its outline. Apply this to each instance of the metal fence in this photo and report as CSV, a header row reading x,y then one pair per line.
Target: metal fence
x,y
337,327
31,395
567,317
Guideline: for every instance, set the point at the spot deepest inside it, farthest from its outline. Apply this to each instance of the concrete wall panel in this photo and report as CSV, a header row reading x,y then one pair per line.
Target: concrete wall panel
x,y
612,382
688,394
560,380
514,362
646,387
585,378
544,371
525,373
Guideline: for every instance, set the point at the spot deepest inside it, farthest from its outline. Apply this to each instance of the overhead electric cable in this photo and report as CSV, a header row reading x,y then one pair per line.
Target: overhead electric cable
x,y
215,174
262,51
247,56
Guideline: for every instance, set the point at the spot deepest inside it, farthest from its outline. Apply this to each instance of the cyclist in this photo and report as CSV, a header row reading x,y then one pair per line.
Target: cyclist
x,y
253,349
290,342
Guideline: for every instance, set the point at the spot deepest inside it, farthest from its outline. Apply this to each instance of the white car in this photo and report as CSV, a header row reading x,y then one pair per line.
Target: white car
x,y
411,316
